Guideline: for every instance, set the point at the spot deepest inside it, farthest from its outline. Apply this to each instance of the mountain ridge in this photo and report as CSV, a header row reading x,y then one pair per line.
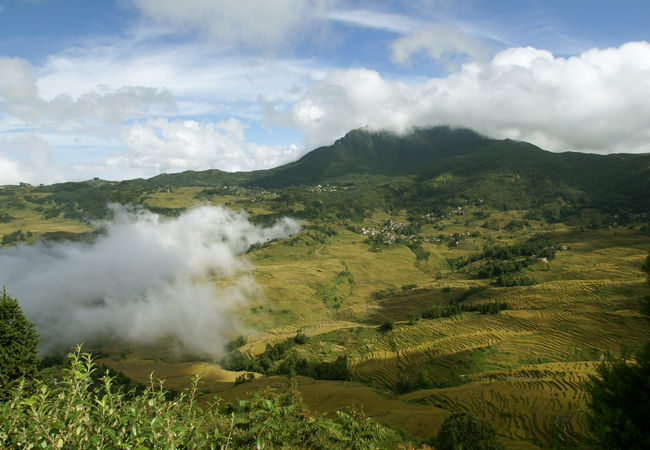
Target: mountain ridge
x,y
427,153
413,154
421,170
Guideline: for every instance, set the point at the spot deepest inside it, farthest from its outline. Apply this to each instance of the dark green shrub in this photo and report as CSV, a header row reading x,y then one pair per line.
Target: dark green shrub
x,y
466,432
387,326
510,280
244,378
16,236
300,338
236,343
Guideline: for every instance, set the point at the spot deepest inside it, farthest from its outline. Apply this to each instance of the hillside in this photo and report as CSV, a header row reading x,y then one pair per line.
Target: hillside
x,y
436,272
421,171
465,160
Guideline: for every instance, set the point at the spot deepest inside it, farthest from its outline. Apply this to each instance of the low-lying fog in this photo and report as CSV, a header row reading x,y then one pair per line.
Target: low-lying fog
x,y
147,278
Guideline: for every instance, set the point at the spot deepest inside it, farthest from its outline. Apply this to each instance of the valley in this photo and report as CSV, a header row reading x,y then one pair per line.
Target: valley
x,y
435,288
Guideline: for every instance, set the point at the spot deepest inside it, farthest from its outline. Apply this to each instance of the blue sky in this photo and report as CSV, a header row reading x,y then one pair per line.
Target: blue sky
x,y
129,88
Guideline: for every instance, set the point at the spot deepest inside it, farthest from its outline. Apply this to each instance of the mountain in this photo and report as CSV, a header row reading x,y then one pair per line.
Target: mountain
x,y
419,171
382,153
475,163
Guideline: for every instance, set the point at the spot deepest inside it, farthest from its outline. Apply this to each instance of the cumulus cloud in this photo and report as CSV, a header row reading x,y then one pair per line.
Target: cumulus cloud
x,y
27,159
18,91
446,43
203,78
145,280
257,23
16,80
594,102
162,145
20,98
112,106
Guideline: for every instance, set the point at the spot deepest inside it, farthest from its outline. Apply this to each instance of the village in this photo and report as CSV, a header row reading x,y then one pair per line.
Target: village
x,y
328,188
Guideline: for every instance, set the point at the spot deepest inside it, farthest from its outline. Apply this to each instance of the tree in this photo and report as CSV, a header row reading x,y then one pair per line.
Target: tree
x,y
619,396
18,344
462,431
619,399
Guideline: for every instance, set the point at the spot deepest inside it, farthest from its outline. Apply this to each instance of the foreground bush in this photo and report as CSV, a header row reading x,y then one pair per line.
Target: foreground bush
x,y
71,414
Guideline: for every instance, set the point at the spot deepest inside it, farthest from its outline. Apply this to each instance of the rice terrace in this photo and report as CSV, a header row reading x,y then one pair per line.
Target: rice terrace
x,y
409,305
324,224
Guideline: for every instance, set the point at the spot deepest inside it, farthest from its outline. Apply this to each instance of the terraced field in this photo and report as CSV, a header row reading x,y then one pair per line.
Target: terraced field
x,y
541,404
521,369
29,217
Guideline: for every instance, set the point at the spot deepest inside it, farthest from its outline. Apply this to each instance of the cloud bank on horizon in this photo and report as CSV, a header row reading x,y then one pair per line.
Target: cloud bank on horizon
x,y
245,85
145,280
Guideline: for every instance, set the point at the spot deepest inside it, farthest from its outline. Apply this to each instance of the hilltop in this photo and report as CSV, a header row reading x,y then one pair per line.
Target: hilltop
x,y
418,171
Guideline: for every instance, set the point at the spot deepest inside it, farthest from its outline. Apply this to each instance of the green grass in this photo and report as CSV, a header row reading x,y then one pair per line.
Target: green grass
x,y
28,216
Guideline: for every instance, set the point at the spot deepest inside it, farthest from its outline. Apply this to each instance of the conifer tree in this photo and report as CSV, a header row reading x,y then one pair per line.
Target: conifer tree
x,y
18,344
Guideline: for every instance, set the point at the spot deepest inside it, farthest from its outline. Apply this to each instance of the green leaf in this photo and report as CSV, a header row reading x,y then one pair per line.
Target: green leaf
x,y
259,443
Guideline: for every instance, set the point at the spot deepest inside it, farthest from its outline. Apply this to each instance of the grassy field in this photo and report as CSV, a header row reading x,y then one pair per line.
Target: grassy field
x,y
32,218
522,370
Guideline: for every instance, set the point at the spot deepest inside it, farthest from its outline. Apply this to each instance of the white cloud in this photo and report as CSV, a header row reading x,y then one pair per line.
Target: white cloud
x,y
18,91
124,94
112,106
16,80
27,159
146,280
202,78
442,42
141,149
447,42
69,103
596,101
373,19
20,98
162,145
256,23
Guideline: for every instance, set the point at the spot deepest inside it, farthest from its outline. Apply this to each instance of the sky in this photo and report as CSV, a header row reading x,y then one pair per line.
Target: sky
x,y
133,88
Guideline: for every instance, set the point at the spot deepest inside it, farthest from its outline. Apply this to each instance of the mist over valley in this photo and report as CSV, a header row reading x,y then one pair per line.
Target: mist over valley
x,y
142,279
324,224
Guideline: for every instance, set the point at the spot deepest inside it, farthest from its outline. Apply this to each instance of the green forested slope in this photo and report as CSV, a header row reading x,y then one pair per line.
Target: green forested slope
x,y
428,167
